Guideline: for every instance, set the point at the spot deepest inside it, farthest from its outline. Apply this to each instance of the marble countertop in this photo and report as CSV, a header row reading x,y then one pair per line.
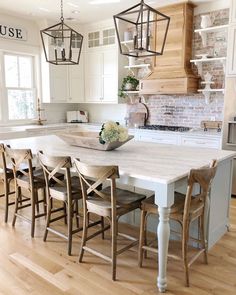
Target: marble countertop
x,y
145,161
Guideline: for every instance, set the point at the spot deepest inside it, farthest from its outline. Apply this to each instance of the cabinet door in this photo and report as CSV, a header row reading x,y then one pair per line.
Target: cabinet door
x,y
93,77
231,62
233,11
59,83
110,76
76,82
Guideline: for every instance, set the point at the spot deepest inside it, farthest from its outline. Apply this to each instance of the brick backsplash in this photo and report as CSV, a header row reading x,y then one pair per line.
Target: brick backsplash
x,y
190,110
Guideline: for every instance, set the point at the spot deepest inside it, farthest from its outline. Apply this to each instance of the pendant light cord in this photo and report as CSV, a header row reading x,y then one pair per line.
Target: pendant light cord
x,y
62,18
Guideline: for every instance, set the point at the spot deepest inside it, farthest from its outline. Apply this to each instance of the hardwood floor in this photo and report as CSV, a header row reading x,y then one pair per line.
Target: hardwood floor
x,y
30,266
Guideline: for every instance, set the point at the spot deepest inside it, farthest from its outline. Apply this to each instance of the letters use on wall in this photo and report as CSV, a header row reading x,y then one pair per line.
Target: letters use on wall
x,y
12,32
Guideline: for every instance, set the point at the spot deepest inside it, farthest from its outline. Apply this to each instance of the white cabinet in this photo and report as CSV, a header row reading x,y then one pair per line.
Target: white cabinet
x,y
58,83
157,137
200,141
101,76
66,83
233,11
231,61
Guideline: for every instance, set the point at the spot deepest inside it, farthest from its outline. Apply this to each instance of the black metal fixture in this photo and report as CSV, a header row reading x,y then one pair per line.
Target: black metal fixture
x,y
141,30
61,44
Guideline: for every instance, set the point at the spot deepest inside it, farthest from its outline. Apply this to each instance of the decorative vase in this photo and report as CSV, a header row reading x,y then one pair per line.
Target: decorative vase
x,y
129,86
206,21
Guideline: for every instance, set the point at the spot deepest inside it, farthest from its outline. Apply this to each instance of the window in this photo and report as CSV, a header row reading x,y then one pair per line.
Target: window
x,y
19,86
108,36
94,39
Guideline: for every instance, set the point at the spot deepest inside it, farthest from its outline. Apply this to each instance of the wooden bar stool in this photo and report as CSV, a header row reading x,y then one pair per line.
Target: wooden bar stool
x,y
110,203
185,210
6,177
29,179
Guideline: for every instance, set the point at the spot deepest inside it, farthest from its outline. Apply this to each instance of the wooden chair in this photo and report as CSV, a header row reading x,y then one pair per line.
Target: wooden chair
x,y
110,203
29,179
185,210
6,177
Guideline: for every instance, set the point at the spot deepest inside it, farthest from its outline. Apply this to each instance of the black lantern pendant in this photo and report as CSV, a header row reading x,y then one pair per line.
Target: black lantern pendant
x,y
141,31
61,44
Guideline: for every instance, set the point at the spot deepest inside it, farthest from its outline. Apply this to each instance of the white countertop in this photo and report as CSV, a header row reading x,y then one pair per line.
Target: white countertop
x,y
146,161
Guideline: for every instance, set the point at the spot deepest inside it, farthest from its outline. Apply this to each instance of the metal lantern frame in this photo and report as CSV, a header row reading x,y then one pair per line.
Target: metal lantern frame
x,y
59,33
139,49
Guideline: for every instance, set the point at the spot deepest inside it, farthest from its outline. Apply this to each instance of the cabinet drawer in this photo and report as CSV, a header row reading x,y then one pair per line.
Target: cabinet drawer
x,y
201,142
158,138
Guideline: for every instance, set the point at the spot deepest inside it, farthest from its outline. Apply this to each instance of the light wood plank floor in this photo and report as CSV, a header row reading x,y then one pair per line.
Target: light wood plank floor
x,y
30,266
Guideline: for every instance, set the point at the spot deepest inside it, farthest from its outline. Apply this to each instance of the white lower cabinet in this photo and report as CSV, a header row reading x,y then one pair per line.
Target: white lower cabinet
x,y
200,141
194,140
158,138
101,76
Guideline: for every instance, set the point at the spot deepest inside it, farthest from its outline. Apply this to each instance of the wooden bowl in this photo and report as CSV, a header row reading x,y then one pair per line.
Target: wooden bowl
x,y
90,140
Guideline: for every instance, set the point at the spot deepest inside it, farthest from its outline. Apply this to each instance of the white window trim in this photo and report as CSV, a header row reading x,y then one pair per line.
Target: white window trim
x,y
4,116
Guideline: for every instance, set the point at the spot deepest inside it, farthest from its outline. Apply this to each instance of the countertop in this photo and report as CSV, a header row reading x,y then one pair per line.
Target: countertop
x,y
145,161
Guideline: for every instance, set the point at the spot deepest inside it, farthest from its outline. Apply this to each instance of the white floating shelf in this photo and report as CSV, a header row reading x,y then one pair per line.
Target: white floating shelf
x,y
211,29
208,59
232,122
211,90
132,92
137,66
130,41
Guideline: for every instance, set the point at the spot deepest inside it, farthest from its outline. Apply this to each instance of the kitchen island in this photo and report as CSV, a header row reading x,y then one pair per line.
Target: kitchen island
x,y
158,167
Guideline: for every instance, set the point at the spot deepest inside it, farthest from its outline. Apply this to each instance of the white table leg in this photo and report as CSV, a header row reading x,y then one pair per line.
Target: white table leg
x,y
164,198
163,243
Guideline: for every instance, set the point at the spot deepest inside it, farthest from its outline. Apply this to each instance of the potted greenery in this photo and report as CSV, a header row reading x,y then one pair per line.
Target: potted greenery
x,y
129,83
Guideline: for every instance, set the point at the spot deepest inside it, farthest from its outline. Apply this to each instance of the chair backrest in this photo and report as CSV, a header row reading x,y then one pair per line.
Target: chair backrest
x,y
52,166
2,157
21,160
99,174
204,178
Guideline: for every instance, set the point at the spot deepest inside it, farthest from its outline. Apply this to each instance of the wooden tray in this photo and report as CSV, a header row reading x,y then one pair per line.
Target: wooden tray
x,y
90,140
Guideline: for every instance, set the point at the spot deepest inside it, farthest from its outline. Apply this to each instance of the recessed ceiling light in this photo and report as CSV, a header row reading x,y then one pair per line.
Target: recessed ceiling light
x,y
75,11
72,4
95,2
44,9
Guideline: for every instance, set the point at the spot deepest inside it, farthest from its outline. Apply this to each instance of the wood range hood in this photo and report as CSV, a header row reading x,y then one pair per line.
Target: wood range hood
x,y
172,73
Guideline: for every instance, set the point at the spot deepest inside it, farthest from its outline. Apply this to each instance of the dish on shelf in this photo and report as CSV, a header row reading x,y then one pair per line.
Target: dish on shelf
x,y
204,56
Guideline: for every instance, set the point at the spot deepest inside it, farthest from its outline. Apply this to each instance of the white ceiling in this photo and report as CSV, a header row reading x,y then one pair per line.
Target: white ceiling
x,y
50,9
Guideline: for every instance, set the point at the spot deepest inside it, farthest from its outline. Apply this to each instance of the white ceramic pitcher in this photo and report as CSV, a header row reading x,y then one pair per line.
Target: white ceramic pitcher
x,y
206,21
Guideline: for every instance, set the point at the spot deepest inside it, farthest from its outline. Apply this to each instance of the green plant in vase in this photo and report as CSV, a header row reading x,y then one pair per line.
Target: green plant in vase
x,y
129,83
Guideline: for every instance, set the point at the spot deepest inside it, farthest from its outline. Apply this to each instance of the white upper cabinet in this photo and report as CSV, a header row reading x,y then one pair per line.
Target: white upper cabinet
x,y
93,76
101,76
63,83
233,12
76,82
110,76
58,83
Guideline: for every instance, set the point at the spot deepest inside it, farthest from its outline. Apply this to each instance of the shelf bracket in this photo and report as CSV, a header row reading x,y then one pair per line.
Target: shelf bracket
x,y
207,96
199,67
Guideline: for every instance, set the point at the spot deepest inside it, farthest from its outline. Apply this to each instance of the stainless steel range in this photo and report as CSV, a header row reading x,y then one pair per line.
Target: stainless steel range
x,y
166,128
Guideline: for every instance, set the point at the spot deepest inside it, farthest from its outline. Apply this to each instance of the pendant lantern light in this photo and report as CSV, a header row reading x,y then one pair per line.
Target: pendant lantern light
x,y
61,44
141,31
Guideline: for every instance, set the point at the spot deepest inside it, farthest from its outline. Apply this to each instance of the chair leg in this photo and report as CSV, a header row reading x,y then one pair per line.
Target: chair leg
x,y
44,203
17,196
203,238
77,213
84,235
34,203
65,213
114,246
6,192
185,251
36,200
141,238
48,218
69,226
102,225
